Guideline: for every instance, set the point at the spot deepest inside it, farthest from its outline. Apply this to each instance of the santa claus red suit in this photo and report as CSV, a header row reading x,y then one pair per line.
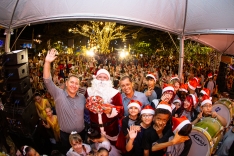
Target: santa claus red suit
x,y
101,96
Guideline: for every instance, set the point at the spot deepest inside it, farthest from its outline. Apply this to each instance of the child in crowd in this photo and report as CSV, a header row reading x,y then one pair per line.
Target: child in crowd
x,y
206,111
78,147
175,106
156,131
41,104
134,108
102,152
134,144
188,109
181,128
101,142
52,122
29,151
151,139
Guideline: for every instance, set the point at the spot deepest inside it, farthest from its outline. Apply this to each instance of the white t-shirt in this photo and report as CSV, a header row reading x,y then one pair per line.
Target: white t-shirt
x,y
71,152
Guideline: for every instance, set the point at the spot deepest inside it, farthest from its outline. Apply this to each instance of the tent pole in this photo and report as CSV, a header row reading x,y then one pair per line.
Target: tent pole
x,y
181,57
7,40
8,31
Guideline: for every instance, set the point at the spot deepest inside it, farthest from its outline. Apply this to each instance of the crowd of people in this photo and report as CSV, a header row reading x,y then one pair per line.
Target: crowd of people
x,y
108,106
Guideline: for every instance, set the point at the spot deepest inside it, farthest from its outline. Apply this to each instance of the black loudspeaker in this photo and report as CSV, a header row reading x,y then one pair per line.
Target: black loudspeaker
x,y
17,100
221,80
22,120
16,72
18,86
15,57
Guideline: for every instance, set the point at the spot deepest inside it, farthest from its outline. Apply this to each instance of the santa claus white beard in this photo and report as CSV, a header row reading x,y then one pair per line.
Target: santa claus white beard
x,y
102,88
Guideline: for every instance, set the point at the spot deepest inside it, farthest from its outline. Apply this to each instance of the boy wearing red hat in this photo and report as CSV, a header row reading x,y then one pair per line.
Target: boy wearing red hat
x,y
179,142
153,92
206,111
159,130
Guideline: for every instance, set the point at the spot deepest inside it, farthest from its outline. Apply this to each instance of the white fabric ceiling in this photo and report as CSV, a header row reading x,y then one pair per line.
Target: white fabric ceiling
x,y
207,21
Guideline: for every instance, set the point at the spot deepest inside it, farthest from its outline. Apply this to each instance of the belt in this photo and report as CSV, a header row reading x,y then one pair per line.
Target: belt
x,y
101,125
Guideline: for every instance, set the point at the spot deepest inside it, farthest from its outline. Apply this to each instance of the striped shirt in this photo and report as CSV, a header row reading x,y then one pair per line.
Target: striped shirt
x,y
70,111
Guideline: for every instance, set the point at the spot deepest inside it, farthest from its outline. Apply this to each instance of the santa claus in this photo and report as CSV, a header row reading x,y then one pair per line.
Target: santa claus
x,y
105,105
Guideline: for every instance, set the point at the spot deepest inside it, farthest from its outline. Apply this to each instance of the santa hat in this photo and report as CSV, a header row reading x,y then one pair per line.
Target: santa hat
x,y
210,75
198,82
184,87
205,91
147,110
195,100
164,105
174,78
168,87
103,71
152,76
135,103
192,84
177,100
205,100
179,123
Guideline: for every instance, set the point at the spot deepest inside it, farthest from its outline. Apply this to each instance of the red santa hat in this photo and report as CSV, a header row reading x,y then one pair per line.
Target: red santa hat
x,y
210,75
135,103
192,84
205,91
168,87
184,87
205,100
147,110
174,78
103,71
164,105
198,82
179,123
152,75
177,100
195,100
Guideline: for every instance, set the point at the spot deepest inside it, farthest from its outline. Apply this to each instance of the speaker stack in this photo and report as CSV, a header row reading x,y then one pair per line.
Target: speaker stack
x,y
19,108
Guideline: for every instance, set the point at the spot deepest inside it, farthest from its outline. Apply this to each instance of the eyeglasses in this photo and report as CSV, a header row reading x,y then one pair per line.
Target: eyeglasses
x,y
147,116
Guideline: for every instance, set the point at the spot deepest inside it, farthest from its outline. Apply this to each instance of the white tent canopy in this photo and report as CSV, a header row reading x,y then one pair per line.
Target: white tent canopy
x,y
207,21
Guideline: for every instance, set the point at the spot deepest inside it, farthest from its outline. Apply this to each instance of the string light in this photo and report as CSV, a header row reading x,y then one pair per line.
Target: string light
x,y
100,34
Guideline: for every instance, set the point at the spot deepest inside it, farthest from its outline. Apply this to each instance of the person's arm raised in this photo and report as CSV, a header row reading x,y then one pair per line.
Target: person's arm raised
x,y
176,140
50,57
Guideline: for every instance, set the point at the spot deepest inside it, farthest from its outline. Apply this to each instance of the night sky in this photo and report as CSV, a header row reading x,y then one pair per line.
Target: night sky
x,y
27,33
